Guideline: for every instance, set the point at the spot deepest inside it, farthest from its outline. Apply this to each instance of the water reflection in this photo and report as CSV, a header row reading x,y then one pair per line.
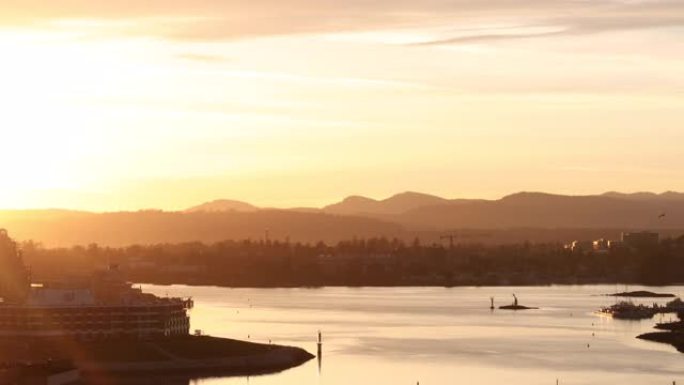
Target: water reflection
x,y
319,353
159,379
436,335
139,380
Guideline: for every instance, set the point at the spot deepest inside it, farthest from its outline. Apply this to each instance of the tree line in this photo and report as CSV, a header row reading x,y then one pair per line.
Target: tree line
x,y
362,262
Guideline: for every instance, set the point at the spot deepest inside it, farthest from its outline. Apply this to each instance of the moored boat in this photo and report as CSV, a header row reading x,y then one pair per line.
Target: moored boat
x,y
629,310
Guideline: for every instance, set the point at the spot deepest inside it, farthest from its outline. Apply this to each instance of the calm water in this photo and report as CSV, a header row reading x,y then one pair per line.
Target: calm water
x,y
438,335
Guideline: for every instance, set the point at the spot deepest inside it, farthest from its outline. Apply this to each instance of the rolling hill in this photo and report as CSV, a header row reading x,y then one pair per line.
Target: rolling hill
x,y
153,227
538,210
223,205
517,217
397,204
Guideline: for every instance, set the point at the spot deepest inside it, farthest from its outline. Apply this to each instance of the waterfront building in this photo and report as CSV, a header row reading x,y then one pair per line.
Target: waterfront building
x,y
640,240
14,276
615,244
582,246
601,246
105,306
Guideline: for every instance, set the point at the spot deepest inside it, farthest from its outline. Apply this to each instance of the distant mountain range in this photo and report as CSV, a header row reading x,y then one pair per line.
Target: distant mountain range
x,y
397,204
538,210
68,228
422,212
521,216
223,205
407,202
417,211
646,196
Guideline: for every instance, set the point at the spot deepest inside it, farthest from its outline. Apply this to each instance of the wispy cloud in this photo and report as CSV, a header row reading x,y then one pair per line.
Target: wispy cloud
x,y
220,20
202,58
609,18
497,34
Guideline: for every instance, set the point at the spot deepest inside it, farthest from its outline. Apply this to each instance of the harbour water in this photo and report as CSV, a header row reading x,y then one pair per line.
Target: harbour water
x,y
439,336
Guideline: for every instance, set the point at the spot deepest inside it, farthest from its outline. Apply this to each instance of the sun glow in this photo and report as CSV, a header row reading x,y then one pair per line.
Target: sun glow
x,y
167,107
51,125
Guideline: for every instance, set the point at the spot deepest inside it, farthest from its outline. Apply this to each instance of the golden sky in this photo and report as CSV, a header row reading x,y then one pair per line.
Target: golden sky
x,y
112,105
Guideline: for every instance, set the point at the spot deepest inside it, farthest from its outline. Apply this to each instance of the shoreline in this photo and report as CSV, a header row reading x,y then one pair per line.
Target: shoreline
x,y
676,339
279,359
187,355
641,294
408,285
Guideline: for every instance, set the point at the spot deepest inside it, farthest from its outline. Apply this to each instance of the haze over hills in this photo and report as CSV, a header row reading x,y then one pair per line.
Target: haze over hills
x,y
155,227
417,211
537,210
353,205
396,204
223,205
647,196
517,217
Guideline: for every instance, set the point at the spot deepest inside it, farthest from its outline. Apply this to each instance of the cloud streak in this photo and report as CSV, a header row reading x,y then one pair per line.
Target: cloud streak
x,y
211,20
628,17
202,58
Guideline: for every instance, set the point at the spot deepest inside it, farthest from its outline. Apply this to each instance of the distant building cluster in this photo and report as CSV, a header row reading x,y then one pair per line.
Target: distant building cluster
x,y
641,240
370,262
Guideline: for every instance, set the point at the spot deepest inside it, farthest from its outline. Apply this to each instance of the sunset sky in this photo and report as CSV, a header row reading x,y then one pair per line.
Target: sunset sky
x,y
110,105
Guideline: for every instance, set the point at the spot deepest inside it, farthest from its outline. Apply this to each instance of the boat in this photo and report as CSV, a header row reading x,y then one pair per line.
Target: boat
x,y
675,306
629,310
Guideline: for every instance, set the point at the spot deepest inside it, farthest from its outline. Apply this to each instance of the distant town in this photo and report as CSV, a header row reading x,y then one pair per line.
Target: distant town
x,y
637,257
